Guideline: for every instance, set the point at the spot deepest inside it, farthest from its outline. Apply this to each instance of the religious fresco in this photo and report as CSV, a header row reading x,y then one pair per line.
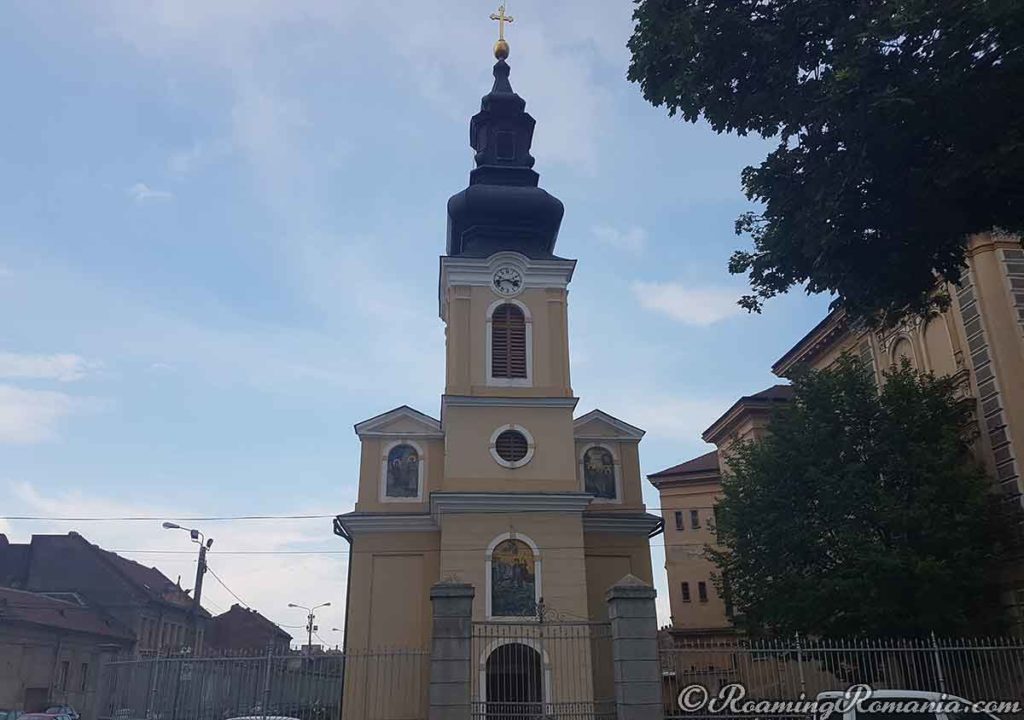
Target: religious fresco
x,y
403,472
599,472
513,580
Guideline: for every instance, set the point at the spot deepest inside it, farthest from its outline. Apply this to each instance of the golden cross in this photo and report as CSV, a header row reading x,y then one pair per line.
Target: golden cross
x,y
502,18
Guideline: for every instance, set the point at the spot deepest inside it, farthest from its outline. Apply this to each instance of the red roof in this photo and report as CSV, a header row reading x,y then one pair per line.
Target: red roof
x,y
28,607
706,463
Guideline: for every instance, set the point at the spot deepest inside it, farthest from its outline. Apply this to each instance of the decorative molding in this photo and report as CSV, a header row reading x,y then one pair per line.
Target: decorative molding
x,y
488,401
452,503
359,523
621,523
989,396
376,426
624,429
537,273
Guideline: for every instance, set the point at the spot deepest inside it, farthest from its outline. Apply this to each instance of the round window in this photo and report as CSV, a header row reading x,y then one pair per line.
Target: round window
x,y
511,446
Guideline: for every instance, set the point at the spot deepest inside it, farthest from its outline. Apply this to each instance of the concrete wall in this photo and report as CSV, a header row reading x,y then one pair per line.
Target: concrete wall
x,y
31,668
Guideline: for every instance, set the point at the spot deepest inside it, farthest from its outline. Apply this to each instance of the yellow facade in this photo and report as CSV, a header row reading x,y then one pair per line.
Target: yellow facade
x,y
979,341
458,500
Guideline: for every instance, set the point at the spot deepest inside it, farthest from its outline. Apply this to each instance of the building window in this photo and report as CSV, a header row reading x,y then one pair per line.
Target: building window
x,y
513,573
62,675
694,519
85,677
508,342
511,446
679,520
685,587
403,471
600,474
702,591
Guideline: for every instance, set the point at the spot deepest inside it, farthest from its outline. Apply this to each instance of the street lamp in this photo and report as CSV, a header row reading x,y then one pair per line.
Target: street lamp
x,y
204,544
310,627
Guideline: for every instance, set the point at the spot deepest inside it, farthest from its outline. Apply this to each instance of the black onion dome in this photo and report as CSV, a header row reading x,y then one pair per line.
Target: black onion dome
x,y
503,209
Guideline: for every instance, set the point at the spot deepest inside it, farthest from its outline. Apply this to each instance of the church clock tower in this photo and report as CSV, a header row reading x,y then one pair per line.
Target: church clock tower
x,y
507,491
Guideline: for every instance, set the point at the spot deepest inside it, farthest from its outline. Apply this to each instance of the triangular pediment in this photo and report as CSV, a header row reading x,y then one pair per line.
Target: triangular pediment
x,y
403,421
599,424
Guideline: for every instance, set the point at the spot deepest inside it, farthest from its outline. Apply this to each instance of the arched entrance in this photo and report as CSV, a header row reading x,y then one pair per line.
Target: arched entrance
x,y
514,682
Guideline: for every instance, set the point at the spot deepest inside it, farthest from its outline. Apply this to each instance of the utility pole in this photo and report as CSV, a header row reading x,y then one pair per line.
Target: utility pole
x,y
310,619
204,544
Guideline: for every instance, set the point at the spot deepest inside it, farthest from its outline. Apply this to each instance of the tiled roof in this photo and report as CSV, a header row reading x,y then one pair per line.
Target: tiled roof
x,y
775,392
708,462
21,606
148,579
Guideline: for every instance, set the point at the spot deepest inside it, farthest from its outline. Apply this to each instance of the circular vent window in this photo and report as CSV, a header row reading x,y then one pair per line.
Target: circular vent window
x,y
512,446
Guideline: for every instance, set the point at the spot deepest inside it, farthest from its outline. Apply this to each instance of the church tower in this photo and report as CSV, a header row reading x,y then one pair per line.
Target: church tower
x,y
540,511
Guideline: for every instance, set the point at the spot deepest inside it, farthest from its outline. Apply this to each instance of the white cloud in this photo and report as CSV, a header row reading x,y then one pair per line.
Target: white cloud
x,y
700,306
265,582
64,367
140,192
31,416
5,271
632,240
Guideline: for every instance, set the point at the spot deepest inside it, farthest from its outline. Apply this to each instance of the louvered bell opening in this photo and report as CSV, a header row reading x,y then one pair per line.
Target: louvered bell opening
x,y
508,342
511,446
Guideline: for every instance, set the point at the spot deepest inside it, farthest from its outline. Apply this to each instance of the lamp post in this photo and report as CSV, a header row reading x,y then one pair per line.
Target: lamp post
x,y
309,622
204,544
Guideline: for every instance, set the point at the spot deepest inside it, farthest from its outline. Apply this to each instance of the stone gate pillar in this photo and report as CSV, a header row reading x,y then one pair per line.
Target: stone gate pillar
x,y
635,665
450,662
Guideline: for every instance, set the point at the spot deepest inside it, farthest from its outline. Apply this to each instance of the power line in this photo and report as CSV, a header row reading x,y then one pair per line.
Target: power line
x,y
233,593
231,518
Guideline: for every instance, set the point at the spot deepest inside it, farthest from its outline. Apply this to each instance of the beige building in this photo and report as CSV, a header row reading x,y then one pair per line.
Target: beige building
x,y
979,341
507,490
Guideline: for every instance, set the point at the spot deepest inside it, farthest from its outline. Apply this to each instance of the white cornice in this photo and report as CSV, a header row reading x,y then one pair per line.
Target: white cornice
x,y
621,524
623,430
490,401
451,503
356,523
553,273
377,425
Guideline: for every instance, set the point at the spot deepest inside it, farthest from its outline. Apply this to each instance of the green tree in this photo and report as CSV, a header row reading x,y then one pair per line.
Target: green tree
x,y
861,512
900,130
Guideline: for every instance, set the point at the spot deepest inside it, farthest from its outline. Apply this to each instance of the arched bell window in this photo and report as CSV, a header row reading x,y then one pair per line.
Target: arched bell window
x,y
509,355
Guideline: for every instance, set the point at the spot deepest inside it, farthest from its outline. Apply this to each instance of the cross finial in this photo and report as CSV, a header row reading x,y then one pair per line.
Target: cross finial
x,y
501,47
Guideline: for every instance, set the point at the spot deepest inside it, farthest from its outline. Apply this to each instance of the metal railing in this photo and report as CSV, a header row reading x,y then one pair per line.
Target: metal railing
x,y
525,670
795,668
382,685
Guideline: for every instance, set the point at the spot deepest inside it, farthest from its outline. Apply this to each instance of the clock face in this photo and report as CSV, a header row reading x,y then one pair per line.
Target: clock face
x,y
507,281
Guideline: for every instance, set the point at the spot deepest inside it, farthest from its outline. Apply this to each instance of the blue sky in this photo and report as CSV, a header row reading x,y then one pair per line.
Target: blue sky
x,y
218,251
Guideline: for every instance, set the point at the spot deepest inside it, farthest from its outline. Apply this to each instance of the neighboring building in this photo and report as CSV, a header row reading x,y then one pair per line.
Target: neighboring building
x,y
979,341
507,491
157,612
243,630
51,651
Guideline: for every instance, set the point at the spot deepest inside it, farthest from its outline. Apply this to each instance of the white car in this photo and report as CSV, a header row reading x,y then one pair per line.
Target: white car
x,y
883,705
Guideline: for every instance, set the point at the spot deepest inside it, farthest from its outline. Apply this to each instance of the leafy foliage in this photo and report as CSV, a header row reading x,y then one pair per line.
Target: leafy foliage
x,y
900,128
861,513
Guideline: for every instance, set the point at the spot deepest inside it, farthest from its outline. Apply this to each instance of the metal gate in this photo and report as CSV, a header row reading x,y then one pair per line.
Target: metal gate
x,y
525,670
378,685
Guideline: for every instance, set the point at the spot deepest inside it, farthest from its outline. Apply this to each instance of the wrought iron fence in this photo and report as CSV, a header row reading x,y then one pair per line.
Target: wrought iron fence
x,y
529,670
791,669
378,685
